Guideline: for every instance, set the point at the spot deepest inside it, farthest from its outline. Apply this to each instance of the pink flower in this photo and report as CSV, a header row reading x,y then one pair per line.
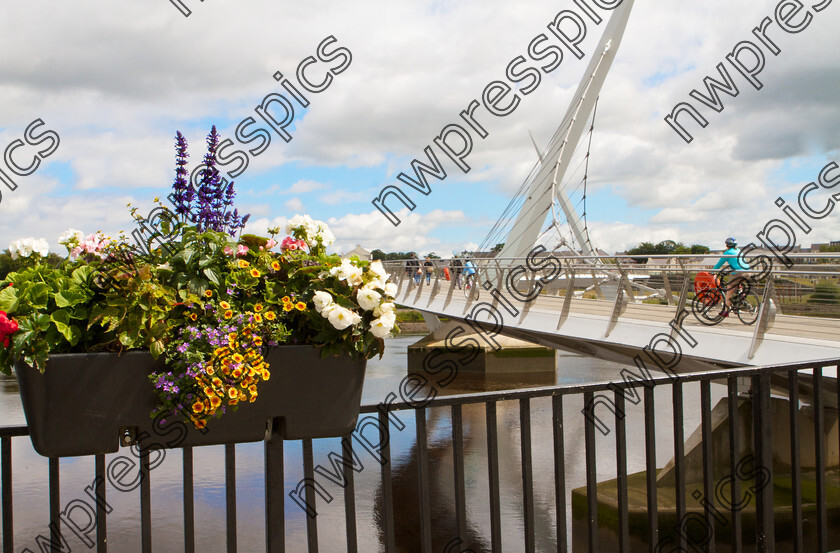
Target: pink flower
x,y
7,328
228,250
241,250
270,244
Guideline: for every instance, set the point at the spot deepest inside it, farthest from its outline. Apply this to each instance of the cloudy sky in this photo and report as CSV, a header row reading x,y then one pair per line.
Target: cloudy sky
x,y
117,78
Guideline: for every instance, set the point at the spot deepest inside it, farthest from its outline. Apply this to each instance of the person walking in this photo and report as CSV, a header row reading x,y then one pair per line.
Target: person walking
x,y
457,268
429,267
412,268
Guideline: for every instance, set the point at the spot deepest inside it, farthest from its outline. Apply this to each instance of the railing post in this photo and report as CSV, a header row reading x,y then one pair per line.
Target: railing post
x,y
762,417
567,301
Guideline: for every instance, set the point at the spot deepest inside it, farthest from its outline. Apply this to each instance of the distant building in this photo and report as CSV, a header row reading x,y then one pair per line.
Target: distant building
x,y
360,252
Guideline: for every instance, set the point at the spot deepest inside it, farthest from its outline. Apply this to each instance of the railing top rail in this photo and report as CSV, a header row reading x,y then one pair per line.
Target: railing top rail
x,y
568,389
12,431
696,256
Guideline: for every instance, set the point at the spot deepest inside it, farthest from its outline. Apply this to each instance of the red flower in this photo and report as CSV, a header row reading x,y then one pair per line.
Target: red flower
x,y
7,328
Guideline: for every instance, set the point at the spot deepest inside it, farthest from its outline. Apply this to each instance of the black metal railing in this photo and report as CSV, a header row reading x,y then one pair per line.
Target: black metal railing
x,y
738,512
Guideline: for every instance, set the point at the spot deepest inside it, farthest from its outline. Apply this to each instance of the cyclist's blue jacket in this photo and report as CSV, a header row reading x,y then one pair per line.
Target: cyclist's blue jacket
x,y
469,268
731,256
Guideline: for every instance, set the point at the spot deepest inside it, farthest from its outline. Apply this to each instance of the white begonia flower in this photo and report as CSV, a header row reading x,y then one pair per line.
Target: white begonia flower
x,y
379,270
71,237
328,309
390,289
341,318
321,300
368,298
382,326
383,309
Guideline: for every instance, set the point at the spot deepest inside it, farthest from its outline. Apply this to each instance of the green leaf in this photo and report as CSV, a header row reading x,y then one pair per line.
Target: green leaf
x,y
61,320
213,276
68,298
38,295
8,300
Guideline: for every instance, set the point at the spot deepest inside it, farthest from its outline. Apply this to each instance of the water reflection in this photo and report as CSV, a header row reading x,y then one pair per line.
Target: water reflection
x,y
383,377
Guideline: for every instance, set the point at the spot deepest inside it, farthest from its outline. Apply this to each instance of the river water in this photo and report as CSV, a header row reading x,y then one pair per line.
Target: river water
x,y
30,470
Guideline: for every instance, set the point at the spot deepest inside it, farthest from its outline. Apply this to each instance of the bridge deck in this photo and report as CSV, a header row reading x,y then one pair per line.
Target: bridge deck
x,y
592,326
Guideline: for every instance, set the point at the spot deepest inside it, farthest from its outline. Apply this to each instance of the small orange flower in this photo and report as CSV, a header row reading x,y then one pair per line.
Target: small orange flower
x,y
257,340
288,306
300,306
217,382
286,299
270,316
232,393
208,391
233,401
253,398
255,273
210,370
224,305
236,373
243,264
200,423
208,293
258,308
265,374
228,314
257,318
237,358
215,401
198,406
193,317
275,265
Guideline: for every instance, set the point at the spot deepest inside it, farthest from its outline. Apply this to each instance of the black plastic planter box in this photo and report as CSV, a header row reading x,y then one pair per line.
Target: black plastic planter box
x,y
83,403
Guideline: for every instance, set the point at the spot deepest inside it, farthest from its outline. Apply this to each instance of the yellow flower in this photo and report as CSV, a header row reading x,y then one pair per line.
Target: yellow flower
x,y
208,293
236,373
198,406
257,340
200,423
275,265
193,317
300,306
215,401
257,318
237,358
253,398
210,370
270,316
217,382
224,305
233,401
255,273
208,391
288,306
286,299
232,393
228,314
265,374
258,308
243,264
252,388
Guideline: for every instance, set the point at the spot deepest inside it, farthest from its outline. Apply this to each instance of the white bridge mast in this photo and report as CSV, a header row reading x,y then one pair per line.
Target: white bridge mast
x,y
544,188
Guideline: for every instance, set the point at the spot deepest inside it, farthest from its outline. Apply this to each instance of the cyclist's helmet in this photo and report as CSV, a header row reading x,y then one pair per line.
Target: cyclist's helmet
x,y
731,242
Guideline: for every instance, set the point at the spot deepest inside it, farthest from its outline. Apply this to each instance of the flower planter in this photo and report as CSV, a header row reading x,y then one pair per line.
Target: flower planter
x,y
83,403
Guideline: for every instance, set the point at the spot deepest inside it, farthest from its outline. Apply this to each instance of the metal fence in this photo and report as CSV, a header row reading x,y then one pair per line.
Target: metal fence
x,y
756,501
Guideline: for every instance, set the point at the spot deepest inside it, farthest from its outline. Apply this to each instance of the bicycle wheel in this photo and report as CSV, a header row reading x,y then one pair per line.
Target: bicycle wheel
x,y
708,307
469,282
747,308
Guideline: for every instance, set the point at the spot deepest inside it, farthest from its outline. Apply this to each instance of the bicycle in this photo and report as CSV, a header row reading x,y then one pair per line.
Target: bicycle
x,y
709,303
470,286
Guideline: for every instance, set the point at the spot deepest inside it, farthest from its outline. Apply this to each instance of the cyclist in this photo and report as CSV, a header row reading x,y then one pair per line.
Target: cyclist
x,y
469,269
736,269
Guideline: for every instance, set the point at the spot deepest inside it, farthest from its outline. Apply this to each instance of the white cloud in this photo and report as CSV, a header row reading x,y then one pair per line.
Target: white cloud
x,y
294,205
